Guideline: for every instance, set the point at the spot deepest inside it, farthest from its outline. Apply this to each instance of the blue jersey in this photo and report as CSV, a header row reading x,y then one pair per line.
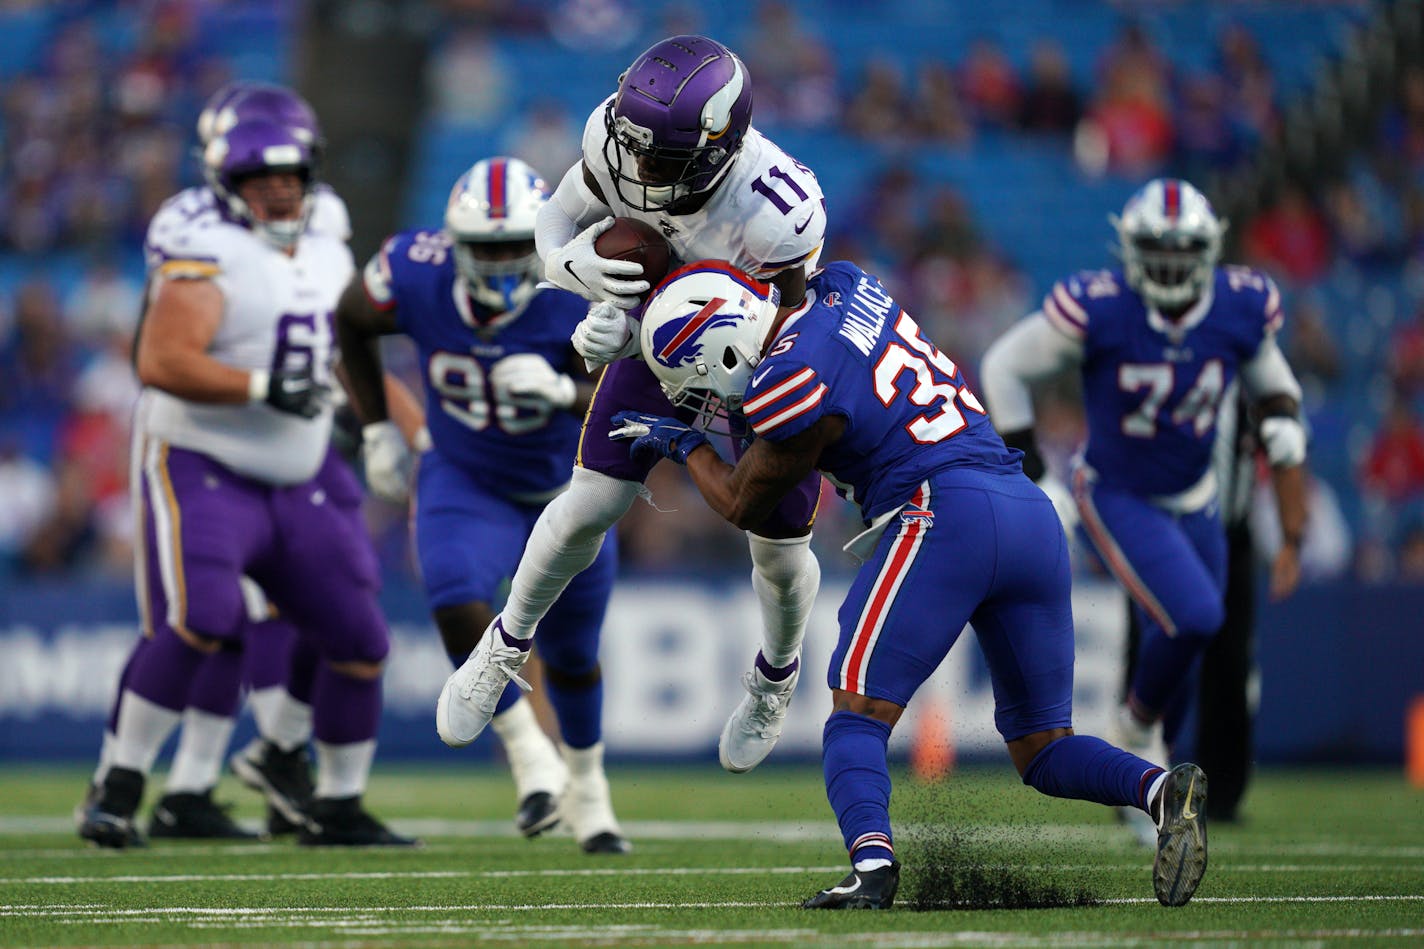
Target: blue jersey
x,y
1152,387
515,447
909,412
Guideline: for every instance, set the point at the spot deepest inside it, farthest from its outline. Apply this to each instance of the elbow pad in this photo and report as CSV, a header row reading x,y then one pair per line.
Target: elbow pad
x,y
1284,440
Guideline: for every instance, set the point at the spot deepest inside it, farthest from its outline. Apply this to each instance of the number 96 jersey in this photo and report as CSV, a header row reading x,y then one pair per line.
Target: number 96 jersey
x,y
852,351
516,447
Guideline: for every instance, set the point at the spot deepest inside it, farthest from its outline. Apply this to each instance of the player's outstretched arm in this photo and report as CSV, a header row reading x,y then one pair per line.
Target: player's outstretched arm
x,y
746,494
1031,350
359,325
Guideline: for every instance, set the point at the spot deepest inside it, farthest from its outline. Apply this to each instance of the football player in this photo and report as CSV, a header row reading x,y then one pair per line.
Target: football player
x,y
674,147
237,477
1158,341
848,384
187,808
506,393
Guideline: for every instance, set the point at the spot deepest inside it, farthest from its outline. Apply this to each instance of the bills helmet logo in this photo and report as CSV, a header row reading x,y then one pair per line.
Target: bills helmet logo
x,y
678,342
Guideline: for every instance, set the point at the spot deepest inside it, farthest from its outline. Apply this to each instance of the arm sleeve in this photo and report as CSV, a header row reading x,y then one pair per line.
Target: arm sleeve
x,y
1268,373
572,208
1031,350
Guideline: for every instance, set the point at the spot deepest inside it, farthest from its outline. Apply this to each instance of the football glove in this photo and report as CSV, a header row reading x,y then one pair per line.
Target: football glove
x,y
294,391
605,335
388,461
529,376
576,267
656,437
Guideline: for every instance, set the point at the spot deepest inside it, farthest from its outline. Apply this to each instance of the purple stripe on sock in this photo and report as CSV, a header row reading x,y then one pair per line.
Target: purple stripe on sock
x,y
515,641
775,673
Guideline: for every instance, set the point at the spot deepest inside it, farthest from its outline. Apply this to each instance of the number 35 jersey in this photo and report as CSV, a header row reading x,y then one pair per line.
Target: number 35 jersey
x,y
518,448
765,216
852,351
277,314
1151,387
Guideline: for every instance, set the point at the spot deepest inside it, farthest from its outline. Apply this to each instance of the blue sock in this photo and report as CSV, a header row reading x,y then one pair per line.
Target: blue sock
x,y
858,783
579,710
1084,768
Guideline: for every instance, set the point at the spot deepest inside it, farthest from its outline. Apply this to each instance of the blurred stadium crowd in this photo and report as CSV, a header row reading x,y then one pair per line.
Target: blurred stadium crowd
x,y
969,166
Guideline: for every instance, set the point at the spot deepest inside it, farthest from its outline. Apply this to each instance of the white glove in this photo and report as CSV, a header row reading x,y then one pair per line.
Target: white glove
x,y
1284,440
529,376
576,267
604,335
388,461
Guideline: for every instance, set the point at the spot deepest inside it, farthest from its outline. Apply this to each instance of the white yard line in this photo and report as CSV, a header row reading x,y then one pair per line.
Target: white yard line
x,y
89,880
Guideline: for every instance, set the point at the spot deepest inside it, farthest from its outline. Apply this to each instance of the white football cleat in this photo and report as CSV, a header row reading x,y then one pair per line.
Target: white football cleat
x,y
471,693
755,726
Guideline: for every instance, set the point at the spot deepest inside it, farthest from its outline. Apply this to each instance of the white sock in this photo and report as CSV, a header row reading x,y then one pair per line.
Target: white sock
x,y
584,761
106,757
197,764
342,770
143,728
281,719
533,758
785,576
871,863
1152,792
565,540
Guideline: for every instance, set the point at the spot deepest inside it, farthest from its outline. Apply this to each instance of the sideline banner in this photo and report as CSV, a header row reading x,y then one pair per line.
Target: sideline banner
x,y
1339,667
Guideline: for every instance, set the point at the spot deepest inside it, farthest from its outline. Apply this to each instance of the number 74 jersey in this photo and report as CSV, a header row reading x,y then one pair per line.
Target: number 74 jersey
x,y
1152,387
852,351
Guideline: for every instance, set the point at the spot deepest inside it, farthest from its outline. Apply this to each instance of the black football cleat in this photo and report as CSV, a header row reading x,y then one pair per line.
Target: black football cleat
x,y
606,842
195,816
108,818
283,778
862,889
342,822
1181,835
537,813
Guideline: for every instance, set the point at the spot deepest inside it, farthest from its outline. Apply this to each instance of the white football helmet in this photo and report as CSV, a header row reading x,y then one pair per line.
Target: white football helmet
x,y
702,336
490,221
1169,239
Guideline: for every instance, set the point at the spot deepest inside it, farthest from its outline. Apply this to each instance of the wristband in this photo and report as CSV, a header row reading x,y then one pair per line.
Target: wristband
x,y
258,381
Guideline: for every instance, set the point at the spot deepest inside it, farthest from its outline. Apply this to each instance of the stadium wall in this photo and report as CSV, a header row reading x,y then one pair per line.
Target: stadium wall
x,y
1340,664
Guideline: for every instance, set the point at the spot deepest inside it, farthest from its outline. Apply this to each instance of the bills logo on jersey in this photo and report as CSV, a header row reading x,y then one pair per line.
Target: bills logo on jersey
x,y
915,516
679,341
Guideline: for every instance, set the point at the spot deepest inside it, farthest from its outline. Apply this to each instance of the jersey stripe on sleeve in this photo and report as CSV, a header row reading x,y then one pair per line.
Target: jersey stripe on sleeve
x,y
787,400
1064,313
194,268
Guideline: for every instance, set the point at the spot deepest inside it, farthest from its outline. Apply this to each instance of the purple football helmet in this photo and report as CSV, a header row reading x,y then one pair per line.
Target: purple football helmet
x,y
681,112
243,100
259,147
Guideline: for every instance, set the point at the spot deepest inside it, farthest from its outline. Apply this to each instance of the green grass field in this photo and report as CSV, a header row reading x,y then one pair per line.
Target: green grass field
x,y
1322,858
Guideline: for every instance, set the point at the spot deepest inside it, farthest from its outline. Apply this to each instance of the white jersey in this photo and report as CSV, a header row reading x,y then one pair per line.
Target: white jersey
x,y
277,314
767,215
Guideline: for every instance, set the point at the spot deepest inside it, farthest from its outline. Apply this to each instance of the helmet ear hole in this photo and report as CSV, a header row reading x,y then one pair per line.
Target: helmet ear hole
x,y
729,358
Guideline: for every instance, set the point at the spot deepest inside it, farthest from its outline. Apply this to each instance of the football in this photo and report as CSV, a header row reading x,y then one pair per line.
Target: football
x,y
631,239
